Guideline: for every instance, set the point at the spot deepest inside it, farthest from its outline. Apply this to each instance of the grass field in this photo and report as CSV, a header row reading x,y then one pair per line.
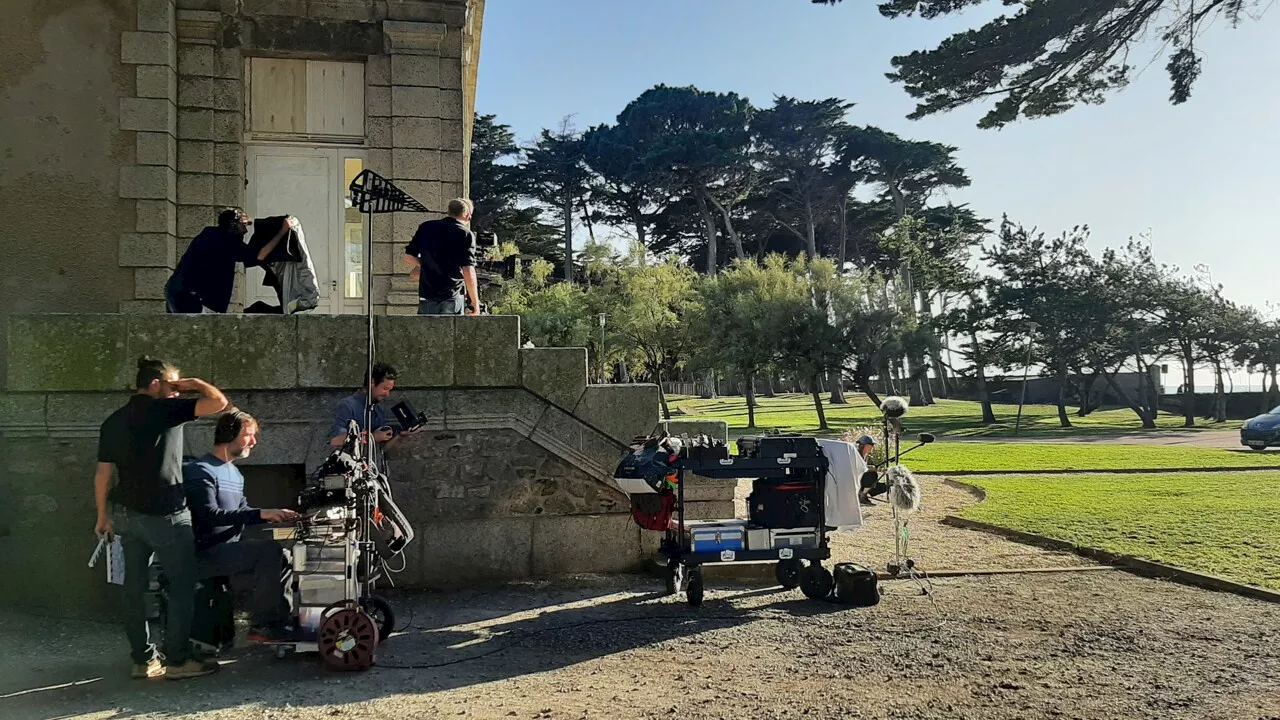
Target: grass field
x,y
795,413
1220,523
945,457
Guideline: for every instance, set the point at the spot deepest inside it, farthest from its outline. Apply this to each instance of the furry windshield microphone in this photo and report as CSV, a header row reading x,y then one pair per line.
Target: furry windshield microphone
x,y
904,491
893,407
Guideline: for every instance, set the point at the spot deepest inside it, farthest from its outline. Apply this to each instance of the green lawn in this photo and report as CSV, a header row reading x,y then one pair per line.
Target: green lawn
x,y
1224,524
795,413
944,457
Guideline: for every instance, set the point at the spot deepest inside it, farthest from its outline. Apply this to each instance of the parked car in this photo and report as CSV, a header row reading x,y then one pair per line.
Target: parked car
x,y
1261,432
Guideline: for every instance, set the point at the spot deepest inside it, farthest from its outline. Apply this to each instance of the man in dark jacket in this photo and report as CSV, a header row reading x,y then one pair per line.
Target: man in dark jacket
x,y
442,257
219,512
206,274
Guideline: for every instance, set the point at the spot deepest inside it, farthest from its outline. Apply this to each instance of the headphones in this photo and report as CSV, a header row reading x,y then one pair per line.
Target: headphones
x,y
229,427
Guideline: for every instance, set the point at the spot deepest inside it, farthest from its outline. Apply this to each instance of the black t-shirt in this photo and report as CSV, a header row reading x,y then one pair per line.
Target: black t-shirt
x,y
144,441
444,247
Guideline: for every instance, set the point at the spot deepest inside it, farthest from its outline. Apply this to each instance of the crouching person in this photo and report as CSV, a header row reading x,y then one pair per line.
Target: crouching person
x,y
220,512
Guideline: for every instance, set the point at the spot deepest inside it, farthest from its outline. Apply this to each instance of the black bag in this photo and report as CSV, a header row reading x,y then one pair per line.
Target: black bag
x,y
790,504
769,447
855,585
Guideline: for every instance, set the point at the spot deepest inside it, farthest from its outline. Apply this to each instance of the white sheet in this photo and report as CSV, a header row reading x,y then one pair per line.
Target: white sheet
x,y
841,496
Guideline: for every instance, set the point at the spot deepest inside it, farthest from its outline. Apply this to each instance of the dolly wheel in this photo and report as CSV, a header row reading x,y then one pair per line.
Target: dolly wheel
x,y
816,582
788,573
383,616
671,579
694,592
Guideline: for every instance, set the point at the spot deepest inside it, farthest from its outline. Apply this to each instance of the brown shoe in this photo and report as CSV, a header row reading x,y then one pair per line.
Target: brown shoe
x,y
191,669
153,669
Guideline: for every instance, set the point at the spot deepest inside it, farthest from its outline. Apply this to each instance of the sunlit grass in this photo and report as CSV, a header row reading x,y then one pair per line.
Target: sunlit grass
x,y
795,413
1219,523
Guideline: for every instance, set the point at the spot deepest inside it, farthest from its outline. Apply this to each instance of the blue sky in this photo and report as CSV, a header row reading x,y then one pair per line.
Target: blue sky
x,y
1197,177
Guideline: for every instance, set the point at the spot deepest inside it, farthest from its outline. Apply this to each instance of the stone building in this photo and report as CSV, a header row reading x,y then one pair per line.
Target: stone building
x,y
125,124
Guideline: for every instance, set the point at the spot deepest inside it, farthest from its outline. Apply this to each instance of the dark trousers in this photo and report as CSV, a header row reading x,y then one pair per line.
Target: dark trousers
x,y
178,300
255,566
453,306
872,485
169,537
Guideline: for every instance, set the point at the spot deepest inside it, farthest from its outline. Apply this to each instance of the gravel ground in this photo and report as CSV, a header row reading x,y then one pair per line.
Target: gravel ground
x,y
1062,645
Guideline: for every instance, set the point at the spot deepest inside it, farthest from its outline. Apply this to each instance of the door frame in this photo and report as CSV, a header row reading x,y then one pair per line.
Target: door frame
x,y
339,303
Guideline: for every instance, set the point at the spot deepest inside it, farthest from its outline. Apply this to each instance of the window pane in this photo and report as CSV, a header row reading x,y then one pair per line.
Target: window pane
x,y
353,236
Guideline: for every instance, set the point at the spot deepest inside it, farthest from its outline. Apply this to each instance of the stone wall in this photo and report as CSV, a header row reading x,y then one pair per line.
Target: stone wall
x,y
511,479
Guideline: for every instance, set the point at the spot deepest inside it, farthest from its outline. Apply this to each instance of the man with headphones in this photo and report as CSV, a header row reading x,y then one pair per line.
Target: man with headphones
x,y
220,512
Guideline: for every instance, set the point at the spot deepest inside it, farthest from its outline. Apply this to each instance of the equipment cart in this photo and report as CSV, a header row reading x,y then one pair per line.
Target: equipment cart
x,y
787,516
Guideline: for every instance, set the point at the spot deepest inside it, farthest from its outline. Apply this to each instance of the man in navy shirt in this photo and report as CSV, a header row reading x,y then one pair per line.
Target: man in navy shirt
x,y
219,512
206,274
352,408
442,258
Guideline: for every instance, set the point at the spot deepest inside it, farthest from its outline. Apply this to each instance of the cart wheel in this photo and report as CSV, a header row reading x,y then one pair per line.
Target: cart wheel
x,y
672,582
693,593
347,638
893,569
816,582
788,573
383,616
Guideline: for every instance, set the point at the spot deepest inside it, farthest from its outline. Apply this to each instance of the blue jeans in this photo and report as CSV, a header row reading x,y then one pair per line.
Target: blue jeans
x,y
453,306
170,538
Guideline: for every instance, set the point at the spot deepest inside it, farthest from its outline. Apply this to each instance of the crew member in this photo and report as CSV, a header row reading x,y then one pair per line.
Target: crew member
x,y
142,443
206,274
869,480
219,512
352,407
442,255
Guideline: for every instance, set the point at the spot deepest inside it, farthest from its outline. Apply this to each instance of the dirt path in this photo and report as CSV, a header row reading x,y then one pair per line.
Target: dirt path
x,y
1080,645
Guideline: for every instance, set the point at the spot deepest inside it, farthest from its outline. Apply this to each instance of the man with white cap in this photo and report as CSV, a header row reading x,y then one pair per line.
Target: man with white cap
x,y
869,479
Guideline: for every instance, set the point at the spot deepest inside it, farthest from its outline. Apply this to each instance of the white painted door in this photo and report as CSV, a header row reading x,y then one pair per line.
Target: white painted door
x,y
310,184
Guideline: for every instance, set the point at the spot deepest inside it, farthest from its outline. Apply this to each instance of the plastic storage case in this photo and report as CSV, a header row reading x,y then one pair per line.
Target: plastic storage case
x,y
778,446
795,538
716,535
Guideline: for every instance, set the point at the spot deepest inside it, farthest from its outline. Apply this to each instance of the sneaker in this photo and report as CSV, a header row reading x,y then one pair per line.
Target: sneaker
x,y
270,634
191,668
152,669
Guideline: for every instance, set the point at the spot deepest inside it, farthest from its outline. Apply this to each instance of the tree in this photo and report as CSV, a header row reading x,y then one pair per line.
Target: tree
x,y
654,303
556,175
1045,282
697,143
1261,352
1050,55
497,188
1184,311
981,345
798,143
551,314
630,194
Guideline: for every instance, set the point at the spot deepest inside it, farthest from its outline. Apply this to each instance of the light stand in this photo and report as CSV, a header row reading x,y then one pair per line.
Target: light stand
x,y
373,194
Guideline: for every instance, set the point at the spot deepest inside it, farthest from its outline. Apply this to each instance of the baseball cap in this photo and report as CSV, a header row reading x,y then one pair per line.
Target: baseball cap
x,y
866,440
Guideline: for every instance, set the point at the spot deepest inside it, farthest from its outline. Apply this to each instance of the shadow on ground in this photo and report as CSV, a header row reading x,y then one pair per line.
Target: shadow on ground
x,y
443,642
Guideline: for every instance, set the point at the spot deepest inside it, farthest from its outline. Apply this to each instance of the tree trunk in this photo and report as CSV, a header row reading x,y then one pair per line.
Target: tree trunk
x,y
1086,393
708,391
810,231
844,232
734,238
640,230
709,230
915,388
1063,420
1147,417
751,400
980,382
935,353
1188,389
1219,393
662,396
817,404
772,389
568,239
837,388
